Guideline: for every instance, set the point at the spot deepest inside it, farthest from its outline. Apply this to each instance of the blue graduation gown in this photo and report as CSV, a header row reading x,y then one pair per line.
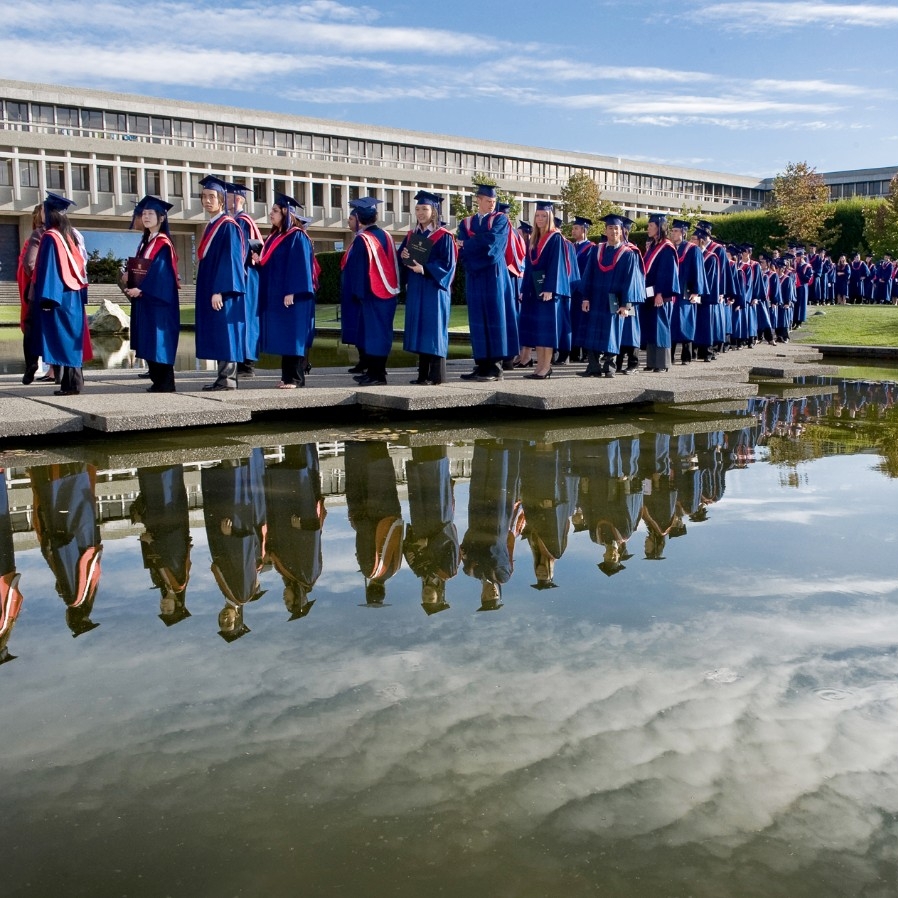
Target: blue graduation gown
x,y
742,281
427,298
787,292
235,490
155,314
166,519
708,321
222,335
492,316
565,303
663,276
287,270
691,271
610,271
251,296
545,498
582,252
293,490
61,316
843,278
371,328
631,333
882,285
431,541
858,280
541,322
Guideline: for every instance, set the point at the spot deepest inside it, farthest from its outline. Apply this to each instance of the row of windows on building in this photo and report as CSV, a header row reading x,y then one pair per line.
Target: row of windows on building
x,y
76,121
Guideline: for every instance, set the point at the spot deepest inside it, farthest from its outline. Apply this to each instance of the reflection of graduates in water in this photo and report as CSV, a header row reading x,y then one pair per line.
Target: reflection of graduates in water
x,y
165,543
372,505
10,597
431,540
295,509
234,512
709,450
610,496
65,521
495,519
661,511
548,497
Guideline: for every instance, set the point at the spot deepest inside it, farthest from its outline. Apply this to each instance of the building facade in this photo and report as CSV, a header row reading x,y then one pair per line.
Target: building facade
x,y
105,150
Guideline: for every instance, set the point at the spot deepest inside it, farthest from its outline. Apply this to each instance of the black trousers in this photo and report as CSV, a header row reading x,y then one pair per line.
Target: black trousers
x,y
293,369
227,374
162,377
432,367
72,379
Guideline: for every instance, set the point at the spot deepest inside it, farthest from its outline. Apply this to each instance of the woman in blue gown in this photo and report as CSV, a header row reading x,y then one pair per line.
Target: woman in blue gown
x,y
155,311
286,293
427,285
546,284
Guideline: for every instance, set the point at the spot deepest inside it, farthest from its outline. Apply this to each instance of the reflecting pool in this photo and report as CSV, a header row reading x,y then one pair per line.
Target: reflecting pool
x,y
636,657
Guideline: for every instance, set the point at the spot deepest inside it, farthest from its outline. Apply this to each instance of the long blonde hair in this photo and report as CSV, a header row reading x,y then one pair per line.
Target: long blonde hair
x,y
538,233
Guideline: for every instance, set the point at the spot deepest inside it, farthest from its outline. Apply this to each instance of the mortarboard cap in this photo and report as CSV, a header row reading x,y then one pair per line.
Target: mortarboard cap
x,y
789,257
544,584
154,204
525,226
799,251
583,222
426,198
486,190
281,199
705,225
558,222
610,568
239,189
545,206
778,263
626,223
701,232
503,207
5,656
365,208
57,202
303,220
746,247
210,182
680,224
614,219
659,218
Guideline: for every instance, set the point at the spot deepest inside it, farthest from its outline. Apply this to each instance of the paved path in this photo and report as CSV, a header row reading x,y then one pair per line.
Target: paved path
x,y
117,401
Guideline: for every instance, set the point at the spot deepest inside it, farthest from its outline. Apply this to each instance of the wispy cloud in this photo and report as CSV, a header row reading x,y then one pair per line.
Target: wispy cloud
x,y
757,16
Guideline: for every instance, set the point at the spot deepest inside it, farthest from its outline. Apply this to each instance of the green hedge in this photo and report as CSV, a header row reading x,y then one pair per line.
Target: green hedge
x,y
329,280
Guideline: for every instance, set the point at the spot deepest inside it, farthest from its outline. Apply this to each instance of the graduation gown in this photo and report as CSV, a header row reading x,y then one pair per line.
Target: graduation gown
x,y
662,275
582,253
613,278
492,316
842,279
428,297
370,285
221,335
251,297
804,278
708,321
372,506
857,280
155,314
494,513
295,514
431,541
882,282
234,489
165,515
65,522
542,323
60,290
691,271
285,268
10,595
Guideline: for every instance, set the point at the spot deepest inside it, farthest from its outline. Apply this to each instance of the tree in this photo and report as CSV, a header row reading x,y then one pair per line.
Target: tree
x,y
800,201
581,197
460,209
104,269
881,223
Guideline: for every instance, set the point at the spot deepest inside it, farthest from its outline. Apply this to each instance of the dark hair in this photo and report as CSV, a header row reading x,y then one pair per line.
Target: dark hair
x,y
286,218
146,231
59,221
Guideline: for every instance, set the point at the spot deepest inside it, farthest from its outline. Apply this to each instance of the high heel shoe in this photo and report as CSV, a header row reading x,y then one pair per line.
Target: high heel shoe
x,y
536,376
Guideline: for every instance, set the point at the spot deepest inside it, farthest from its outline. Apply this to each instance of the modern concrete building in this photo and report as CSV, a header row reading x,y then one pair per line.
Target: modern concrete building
x,y
105,150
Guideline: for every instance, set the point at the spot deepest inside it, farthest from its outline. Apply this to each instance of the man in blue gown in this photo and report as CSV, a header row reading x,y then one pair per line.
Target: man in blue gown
x,y
612,285
582,248
220,288
691,270
492,316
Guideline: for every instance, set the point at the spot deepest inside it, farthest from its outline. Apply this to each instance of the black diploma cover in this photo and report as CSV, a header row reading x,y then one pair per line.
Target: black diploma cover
x,y
419,247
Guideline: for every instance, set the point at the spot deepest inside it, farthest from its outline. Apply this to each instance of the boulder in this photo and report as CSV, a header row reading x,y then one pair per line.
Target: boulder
x,y
110,318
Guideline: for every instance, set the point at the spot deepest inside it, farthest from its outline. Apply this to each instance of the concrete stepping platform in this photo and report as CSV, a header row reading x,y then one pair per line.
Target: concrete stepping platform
x,y
24,418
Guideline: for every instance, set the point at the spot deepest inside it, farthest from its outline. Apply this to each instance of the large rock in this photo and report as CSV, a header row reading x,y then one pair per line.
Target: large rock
x,y
110,318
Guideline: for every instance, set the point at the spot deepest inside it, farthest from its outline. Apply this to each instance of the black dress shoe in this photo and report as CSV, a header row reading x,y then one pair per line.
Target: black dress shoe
x,y
28,376
356,369
423,383
486,378
217,388
589,374
472,376
144,375
66,392
368,381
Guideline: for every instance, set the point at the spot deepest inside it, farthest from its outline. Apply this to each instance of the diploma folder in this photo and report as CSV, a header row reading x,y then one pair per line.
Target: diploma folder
x,y
539,281
136,269
419,247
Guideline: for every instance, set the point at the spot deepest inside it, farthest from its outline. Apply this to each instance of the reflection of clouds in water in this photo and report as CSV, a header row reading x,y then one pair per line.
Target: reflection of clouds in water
x,y
747,584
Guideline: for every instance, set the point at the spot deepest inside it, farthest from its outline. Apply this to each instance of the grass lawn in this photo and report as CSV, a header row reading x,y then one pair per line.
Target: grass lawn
x,y
325,316
850,326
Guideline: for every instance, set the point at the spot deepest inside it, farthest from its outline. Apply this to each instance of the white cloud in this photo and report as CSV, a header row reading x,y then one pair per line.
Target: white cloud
x,y
758,16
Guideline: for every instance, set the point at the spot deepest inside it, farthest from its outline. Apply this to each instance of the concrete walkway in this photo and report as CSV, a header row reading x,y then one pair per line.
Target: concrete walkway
x,y
117,401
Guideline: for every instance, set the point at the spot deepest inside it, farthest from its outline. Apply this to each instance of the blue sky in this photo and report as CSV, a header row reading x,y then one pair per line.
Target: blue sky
x,y
740,87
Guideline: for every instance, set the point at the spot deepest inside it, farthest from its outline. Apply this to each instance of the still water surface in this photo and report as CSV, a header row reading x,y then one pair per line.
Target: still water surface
x,y
663,663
